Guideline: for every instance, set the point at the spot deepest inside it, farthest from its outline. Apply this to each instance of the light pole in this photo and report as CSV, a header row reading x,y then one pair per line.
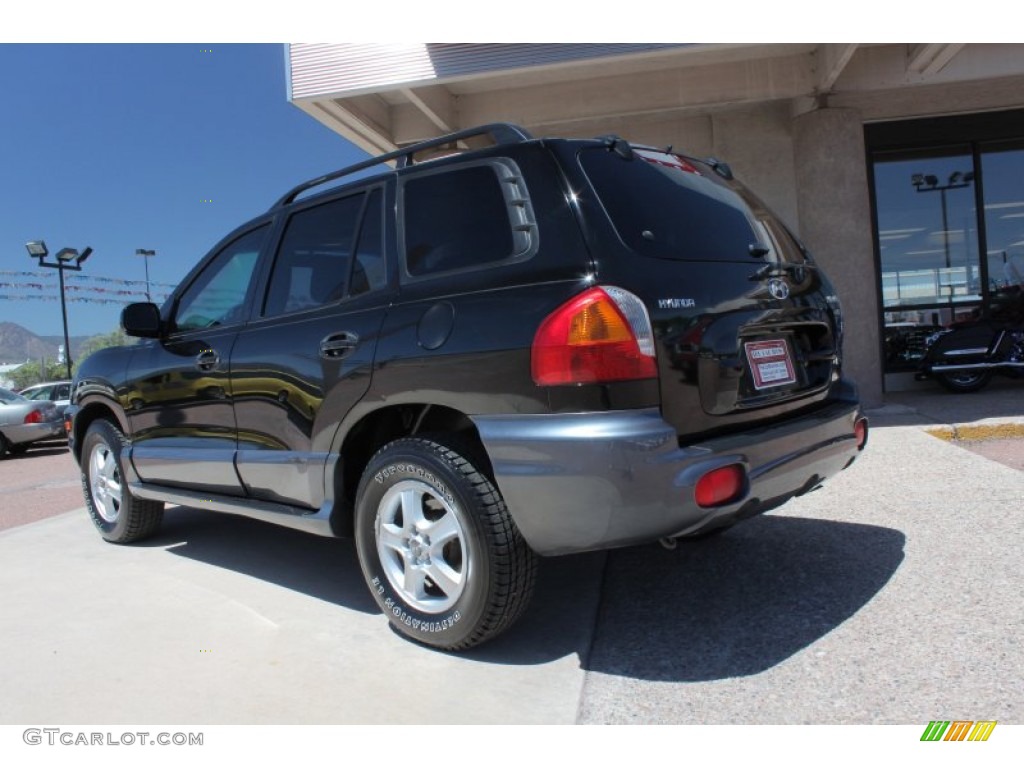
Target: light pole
x,y
37,250
930,183
145,254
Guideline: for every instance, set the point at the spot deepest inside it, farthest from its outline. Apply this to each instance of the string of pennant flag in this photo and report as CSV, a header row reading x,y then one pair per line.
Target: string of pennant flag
x,y
49,277
79,299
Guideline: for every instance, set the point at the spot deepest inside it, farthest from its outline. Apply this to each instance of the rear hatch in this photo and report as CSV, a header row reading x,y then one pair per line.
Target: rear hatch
x,y
746,325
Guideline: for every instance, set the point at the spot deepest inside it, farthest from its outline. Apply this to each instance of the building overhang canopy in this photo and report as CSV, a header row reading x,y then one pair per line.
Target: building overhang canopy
x,y
382,96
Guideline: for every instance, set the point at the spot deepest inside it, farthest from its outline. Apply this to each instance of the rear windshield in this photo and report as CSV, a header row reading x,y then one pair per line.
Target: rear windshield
x,y
668,206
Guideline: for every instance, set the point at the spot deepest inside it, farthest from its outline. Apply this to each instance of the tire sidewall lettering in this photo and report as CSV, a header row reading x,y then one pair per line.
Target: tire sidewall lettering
x,y
437,629
415,471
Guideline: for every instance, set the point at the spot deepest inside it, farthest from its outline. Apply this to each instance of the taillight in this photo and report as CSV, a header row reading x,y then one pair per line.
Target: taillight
x,y
34,417
720,486
602,335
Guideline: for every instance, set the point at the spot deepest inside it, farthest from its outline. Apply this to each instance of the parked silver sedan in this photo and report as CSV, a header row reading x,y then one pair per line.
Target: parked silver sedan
x,y
57,391
23,422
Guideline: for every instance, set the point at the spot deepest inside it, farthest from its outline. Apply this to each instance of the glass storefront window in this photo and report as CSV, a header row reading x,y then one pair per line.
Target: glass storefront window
x,y
927,228
1003,175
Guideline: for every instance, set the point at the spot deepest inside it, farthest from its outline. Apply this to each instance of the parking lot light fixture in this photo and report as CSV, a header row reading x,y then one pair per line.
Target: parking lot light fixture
x,y
65,256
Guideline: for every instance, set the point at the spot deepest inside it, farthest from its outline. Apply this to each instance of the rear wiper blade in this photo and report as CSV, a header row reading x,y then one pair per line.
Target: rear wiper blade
x,y
777,270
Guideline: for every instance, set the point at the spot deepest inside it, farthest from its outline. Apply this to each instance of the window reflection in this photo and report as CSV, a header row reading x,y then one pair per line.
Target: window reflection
x,y
1003,171
927,231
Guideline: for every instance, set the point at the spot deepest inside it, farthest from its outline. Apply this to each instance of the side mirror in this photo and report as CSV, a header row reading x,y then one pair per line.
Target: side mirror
x,y
141,319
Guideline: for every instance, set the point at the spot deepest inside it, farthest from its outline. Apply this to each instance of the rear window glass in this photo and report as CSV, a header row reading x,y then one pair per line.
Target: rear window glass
x,y
667,206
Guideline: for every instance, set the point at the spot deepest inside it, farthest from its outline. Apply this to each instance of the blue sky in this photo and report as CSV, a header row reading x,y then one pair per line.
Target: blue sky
x,y
117,146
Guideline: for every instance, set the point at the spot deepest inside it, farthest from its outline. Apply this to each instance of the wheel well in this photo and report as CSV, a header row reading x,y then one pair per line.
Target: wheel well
x,y
378,429
87,416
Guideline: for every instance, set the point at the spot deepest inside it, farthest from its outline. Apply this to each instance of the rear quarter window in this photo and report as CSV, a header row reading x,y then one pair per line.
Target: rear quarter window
x,y
466,217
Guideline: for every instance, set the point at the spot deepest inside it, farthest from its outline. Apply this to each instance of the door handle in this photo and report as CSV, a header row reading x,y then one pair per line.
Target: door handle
x,y
207,360
338,345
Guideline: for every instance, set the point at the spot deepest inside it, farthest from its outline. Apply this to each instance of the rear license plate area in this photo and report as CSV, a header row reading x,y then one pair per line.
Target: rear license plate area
x,y
771,363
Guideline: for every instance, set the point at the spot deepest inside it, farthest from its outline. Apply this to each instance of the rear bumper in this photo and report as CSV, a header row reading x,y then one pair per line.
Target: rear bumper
x,y
577,482
22,434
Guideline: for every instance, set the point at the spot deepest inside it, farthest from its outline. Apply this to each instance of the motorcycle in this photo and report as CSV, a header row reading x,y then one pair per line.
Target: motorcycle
x,y
964,358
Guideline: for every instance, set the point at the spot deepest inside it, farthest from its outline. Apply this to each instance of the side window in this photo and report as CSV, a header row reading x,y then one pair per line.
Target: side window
x,y
461,218
63,392
217,296
312,266
43,393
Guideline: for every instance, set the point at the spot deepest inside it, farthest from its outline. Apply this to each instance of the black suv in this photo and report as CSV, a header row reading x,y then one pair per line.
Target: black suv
x,y
499,348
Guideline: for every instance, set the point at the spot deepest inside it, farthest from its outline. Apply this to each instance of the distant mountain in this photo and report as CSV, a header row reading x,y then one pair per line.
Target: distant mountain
x,y
18,344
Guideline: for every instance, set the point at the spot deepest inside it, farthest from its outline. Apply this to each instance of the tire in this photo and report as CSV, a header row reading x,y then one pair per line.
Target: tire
x,y
5,446
120,517
468,584
964,381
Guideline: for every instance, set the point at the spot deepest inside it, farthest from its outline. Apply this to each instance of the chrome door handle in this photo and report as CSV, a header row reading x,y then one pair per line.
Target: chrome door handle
x,y
338,345
207,360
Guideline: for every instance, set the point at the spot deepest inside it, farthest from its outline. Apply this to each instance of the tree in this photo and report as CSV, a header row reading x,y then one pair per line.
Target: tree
x,y
116,338
32,372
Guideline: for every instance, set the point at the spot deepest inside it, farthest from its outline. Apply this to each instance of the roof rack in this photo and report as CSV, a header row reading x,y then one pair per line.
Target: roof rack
x,y
500,133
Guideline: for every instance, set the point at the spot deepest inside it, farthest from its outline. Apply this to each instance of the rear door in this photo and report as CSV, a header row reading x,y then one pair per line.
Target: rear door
x,y
306,357
745,321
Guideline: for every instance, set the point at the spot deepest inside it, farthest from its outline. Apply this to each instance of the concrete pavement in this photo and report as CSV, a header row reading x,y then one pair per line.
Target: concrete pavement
x,y
892,595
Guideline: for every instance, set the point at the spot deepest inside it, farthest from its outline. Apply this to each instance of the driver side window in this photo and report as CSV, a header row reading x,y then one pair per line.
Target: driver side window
x,y
218,295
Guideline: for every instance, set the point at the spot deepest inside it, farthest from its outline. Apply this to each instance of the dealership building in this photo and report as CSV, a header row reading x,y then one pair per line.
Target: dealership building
x,y
901,166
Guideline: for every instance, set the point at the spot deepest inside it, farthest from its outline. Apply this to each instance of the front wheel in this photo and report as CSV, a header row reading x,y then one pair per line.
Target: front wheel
x,y
120,517
437,546
964,381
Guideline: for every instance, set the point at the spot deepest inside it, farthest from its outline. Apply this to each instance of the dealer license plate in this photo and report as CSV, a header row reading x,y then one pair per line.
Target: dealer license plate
x,y
770,363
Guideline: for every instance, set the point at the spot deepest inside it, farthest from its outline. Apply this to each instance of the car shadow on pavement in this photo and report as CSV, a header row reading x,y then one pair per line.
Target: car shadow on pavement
x,y
740,603
558,623
320,567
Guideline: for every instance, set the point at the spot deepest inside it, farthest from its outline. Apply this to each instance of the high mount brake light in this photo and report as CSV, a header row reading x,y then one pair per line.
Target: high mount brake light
x,y
601,335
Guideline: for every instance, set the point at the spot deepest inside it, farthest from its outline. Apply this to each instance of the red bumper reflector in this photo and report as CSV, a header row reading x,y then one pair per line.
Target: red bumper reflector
x,y
860,432
720,486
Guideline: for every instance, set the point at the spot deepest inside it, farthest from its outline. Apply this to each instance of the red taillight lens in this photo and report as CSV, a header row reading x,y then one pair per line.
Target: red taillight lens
x,y
34,417
601,335
720,486
860,432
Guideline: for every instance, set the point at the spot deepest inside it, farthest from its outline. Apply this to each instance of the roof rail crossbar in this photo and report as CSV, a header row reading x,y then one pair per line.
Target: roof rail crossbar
x,y
500,133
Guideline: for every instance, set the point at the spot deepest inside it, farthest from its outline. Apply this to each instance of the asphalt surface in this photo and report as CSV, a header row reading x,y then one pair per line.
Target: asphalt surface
x,y
891,595
40,483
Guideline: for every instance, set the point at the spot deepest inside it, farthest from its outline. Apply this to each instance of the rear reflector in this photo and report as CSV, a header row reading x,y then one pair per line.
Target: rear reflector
x,y
602,335
720,486
860,432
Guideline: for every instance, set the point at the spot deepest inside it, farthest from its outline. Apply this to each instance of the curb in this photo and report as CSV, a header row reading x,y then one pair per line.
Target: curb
x,y
974,432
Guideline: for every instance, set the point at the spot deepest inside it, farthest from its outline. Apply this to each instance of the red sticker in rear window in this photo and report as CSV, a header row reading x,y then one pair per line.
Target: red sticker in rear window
x,y
667,160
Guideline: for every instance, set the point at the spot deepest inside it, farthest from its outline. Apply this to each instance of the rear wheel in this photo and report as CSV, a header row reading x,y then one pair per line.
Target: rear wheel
x,y
964,381
437,546
5,446
120,517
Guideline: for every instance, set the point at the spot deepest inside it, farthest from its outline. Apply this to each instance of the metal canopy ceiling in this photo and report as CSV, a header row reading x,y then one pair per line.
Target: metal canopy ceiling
x,y
382,96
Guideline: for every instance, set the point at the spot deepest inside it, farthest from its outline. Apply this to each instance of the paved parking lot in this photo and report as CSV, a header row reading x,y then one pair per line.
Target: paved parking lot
x,y
892,595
